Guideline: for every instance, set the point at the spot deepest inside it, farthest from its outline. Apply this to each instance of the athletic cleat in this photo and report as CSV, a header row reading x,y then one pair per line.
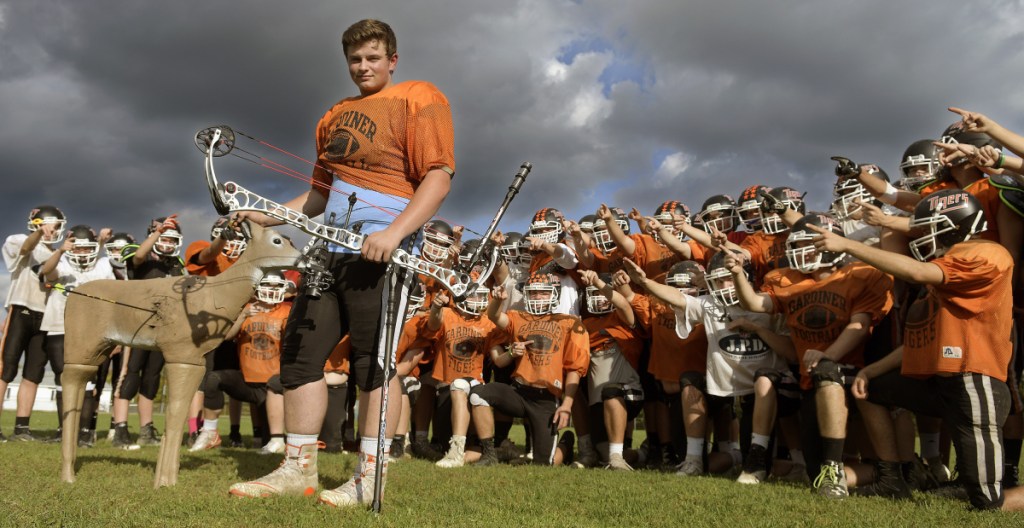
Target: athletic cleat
x,y
888,483
617,463
456,456
426,451
56,438
208,439
508,450
939,471
148,435
274,446
235,441
754,471
23,435
831,481
297,475
358,490
397,449
690,467
86,438
586,459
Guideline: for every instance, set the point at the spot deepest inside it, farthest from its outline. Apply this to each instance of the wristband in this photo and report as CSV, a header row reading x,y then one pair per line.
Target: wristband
x,y
889,196
999,162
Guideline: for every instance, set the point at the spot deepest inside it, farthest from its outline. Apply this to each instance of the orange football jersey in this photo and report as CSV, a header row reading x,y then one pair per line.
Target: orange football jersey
x,y
386,142
767,252
818,311
210,269
607,329
259,343
963,324
462,344
670,356
338,360
560,344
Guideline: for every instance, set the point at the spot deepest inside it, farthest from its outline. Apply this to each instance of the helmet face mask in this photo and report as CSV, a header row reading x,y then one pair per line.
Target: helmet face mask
x,y
114,246
597,302
475,303
542,294
771,221
603,238
721,286
749,207
719,212
438,237
666,215
85,250
687,277
273,288
846,192
48,215
800,251
547,226
234,247
919,165
945,218
168,244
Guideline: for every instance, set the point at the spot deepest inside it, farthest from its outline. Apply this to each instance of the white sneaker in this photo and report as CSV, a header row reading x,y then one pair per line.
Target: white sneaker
x,y
297,475
207,439
690,467
359,489
753,477
617,463
274,446
456,456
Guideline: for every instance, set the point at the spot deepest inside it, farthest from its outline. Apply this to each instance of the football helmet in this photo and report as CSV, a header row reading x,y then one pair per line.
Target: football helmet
x,y
273,287
114,246
438,236
542,292
720,281
771,221
945,218
85,248
749,207
719,211
848,190
475,302
587,224
235,242
48,214
597,302
466,253
602,238
511,250
417,296
168,244
800,251
687,277
547,225
666,213
919,165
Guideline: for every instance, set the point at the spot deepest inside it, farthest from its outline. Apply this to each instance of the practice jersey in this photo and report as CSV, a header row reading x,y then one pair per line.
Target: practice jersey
x,y
380,147
963,325
153,267
767,253
211,269
70,278
608,331
818,311
671,355
462,344
338,360
259,343
733,357
25,288
560,344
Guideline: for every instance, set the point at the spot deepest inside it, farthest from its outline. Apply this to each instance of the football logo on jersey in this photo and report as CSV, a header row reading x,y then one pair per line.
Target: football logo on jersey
x,y
466,348
541,350
342,145
816,317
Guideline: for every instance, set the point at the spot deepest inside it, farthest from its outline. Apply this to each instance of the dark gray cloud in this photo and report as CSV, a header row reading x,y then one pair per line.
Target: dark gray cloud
x,y
101,99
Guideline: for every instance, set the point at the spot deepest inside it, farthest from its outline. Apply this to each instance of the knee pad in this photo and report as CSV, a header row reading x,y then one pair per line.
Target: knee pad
x,y
693,379
476,401
461,385
826,372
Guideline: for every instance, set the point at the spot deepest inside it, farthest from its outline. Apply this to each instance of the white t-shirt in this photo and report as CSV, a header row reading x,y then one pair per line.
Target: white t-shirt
x,y
733,357
25,288
69,277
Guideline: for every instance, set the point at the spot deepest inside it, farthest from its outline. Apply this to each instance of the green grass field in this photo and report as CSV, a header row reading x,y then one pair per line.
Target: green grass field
x,y
114,489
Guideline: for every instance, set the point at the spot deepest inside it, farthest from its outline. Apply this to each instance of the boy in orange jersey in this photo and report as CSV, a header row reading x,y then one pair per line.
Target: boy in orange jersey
x,y
830,309
551,353
956,347
464,337
257,336
614,392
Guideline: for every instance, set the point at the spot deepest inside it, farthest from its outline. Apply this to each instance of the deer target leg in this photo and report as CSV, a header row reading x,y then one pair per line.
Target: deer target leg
x,y
73,380
182,382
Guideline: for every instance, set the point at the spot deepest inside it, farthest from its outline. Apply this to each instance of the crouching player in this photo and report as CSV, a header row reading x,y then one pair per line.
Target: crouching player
x,y
551,352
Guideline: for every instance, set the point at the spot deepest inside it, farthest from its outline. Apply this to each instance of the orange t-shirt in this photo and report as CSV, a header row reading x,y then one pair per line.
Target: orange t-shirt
x,y
338,360
818,311
211,269
670,356
462,344
767,252
386,142
560,345
259,343
606,330
963,324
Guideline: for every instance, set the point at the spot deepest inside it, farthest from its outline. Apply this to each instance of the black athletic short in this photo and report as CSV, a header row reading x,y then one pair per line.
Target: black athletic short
x,y
22,334
232,382
354,305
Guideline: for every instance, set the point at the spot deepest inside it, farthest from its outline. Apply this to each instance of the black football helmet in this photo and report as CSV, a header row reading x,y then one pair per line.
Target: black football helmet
x,y
945,218
85,248
602,237
235,243
800,250
597,302
666,214
587,223
847,190
720,281
919,165
438,236
114,246
687,277
719,211
749,207
771,221
547,225
48,214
